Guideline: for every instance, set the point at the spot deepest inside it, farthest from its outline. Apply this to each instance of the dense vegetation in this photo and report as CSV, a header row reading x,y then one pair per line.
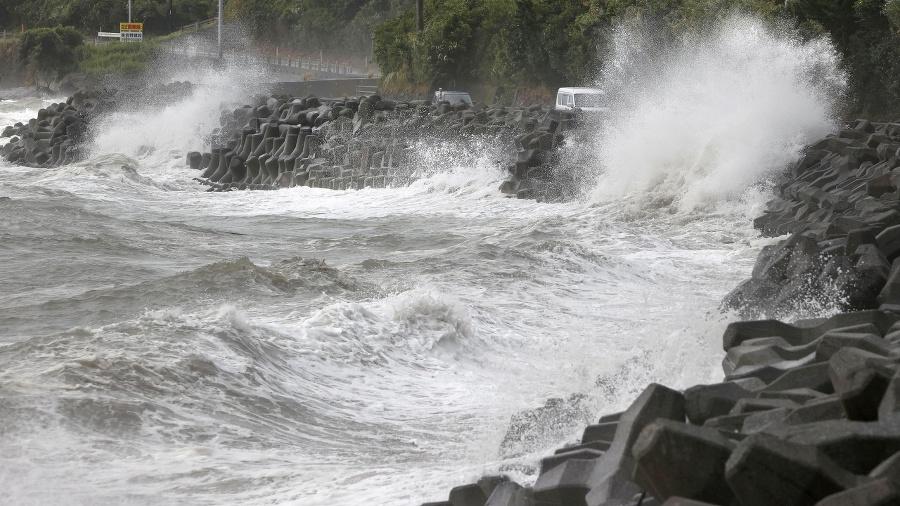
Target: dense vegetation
x,y
513,43
89,17
336,26
50,52
504,44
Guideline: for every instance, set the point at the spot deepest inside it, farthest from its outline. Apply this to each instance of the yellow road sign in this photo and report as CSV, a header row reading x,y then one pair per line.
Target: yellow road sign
x,y
131,27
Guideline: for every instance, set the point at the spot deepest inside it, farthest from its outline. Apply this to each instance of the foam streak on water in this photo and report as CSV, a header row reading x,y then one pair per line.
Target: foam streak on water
x,y
164,345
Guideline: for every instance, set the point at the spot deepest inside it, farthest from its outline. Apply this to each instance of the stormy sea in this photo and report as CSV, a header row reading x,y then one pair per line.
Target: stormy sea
x,y
160,344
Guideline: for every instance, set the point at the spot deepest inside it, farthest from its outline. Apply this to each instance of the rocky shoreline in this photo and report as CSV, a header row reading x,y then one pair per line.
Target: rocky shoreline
x,y
808,412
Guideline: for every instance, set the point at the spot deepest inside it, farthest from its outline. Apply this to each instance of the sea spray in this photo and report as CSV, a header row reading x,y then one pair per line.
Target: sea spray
x,y
145,125
712,114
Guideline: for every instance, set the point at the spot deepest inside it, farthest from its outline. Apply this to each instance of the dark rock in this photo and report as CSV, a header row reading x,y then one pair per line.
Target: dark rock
x,y
599,432
510,494
860,378
611,476
826,408
703,402
889,468
856,446
764,470
467,495
548,463
882,492
674,459
889,408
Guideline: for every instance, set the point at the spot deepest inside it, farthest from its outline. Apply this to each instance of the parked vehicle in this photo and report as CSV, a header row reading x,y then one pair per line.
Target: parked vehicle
x,y
452,96
585,99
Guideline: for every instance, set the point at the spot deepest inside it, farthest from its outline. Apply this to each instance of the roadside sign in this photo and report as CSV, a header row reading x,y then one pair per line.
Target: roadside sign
x,y
131,32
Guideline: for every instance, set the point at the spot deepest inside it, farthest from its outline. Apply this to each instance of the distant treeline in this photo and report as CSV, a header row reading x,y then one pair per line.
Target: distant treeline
x,y
500,43
91,16
512,43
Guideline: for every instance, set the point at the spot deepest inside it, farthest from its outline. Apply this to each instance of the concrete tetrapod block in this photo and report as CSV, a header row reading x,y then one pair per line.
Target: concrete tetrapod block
x,y
856,446
683,501
675,459
703,402
548,463
467,495
890,468
890,401
599,432
861,378
813,376
510,494
882,492
566,484
611,476
825,408
764,470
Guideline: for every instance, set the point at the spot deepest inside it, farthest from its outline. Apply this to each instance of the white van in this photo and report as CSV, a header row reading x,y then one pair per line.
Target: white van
x,y
586,99
452,96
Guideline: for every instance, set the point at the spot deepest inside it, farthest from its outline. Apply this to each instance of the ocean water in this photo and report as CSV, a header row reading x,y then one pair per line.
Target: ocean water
x,y
164,345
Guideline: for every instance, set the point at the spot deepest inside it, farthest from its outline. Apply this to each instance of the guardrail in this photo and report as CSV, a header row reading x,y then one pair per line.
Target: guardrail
x,y
199,24
280,63
362,89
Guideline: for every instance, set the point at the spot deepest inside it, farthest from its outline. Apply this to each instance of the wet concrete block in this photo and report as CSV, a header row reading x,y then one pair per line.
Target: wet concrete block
x,y
599,432
510,494
682,501
738,332
769,373
832,342
467,495
812,376
888,241
889,468
548,463
611,477
764,470
860,379
675,459
889,407
798,395
825,408
565,484
751,405
758,421
856,446
881,492
703,402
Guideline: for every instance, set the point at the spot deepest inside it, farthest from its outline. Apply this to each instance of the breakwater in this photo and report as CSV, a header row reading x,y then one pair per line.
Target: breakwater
x,y
283,141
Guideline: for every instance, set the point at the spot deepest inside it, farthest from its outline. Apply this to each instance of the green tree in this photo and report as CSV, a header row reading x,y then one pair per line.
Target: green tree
x,y
50,52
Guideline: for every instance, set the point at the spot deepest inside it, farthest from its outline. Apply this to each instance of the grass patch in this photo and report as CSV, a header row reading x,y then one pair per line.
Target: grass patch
x,y
126,58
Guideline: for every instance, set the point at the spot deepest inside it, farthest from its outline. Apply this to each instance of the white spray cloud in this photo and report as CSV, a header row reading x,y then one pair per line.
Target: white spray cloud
x,y
702,120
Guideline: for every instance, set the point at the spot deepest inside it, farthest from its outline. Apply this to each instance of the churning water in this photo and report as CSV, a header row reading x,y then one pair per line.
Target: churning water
x,y
164,345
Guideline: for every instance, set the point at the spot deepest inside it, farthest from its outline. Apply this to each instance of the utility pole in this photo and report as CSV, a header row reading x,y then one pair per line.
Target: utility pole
x,y
420,15
129,11
220,29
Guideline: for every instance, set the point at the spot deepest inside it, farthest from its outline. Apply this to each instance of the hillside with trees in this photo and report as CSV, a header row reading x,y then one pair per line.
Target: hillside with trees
x,y
501,44
514,43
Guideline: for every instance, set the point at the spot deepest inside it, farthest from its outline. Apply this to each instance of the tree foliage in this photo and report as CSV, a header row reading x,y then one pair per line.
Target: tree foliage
x,y
91,16
560,42
50,52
